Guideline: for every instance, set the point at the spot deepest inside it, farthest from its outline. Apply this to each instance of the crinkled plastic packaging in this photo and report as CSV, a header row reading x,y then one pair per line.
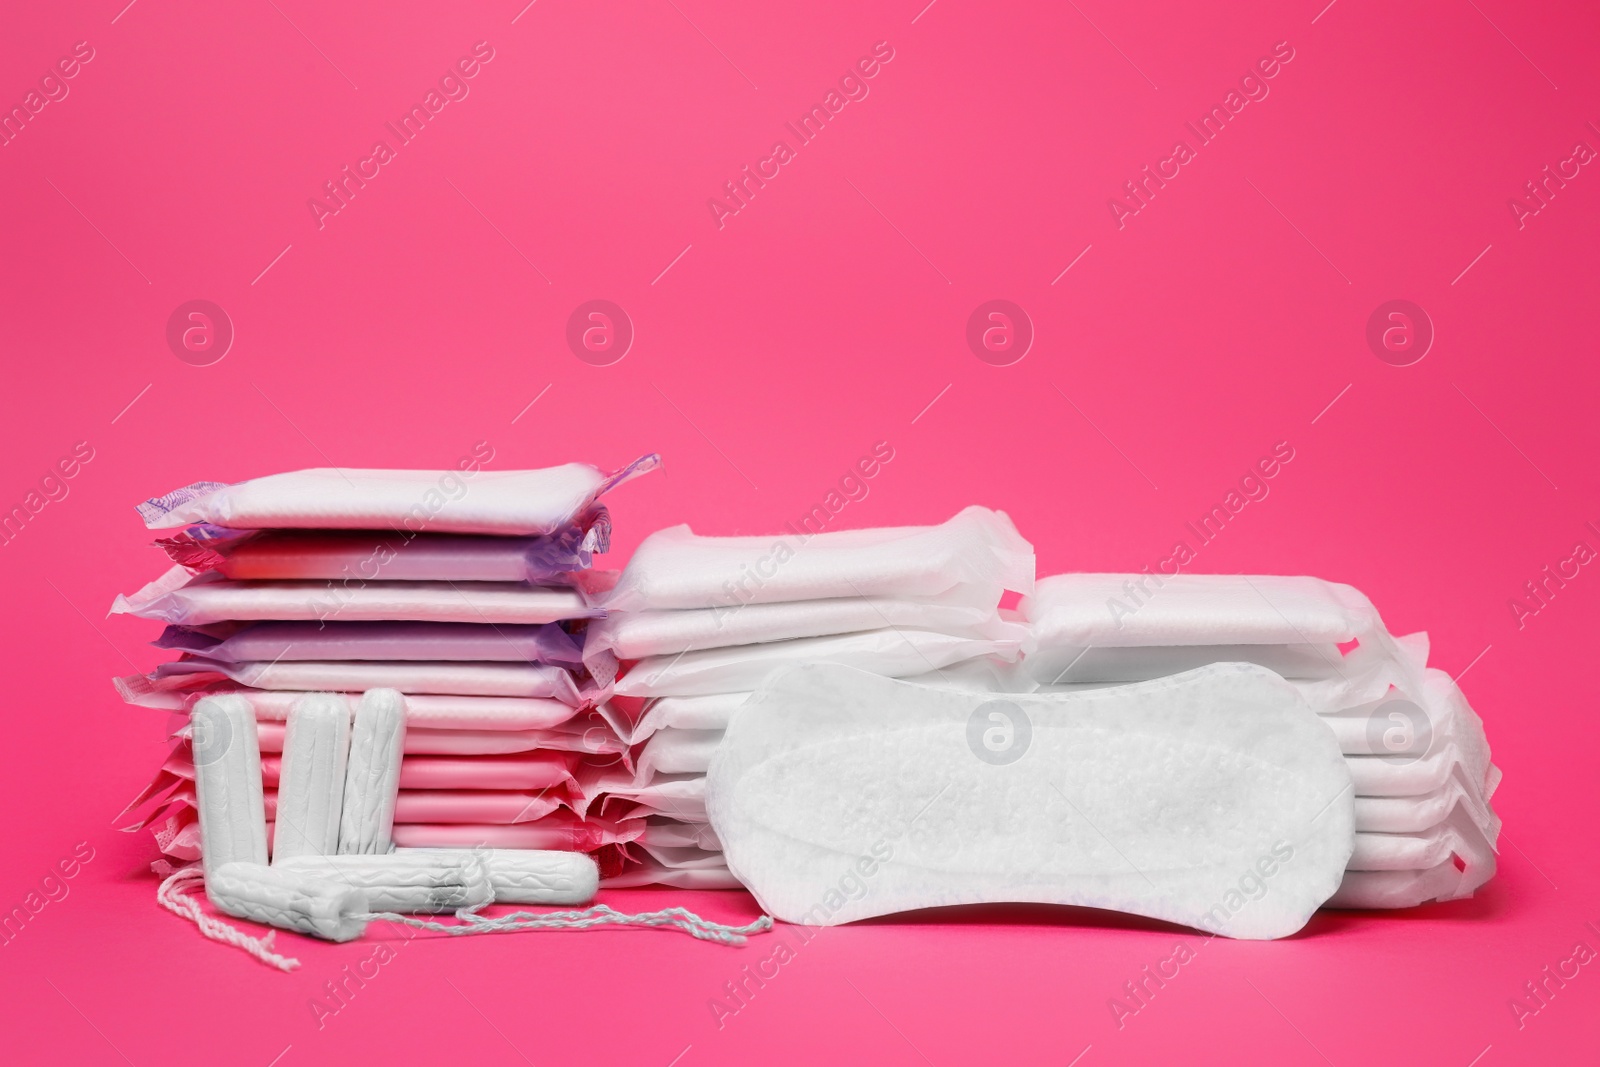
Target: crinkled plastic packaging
x,y
970,559
182,599
272,642
888,652
473,501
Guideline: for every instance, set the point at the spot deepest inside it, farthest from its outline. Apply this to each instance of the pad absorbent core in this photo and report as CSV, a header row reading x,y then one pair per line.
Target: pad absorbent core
x,y
1214,798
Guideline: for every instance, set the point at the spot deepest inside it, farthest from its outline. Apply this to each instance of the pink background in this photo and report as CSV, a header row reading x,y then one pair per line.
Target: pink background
x,y
826,316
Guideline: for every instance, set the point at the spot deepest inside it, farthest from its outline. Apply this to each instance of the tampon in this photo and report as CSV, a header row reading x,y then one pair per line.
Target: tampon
x,y
372,774
528,876
429,881
289,900
311,784
227,782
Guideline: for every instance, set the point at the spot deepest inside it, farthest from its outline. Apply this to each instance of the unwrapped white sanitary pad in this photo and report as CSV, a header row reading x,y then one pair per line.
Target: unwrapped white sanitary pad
x,y
1213,798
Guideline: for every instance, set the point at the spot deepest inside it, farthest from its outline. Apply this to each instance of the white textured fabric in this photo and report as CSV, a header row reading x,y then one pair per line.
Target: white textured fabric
x,y
530,876
311,788
404,881
178,598
227,782
459,501
970,559
893,653
288,900
372,773
1213,798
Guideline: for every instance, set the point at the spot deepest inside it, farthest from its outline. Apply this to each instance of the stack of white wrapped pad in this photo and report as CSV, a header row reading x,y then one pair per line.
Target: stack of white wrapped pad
x,y
698,622
468,591
1418,759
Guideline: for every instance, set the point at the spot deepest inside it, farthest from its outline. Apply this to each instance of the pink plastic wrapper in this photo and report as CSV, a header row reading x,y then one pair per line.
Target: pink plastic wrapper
x,y
445,712
465,679
369,555
187,600
524,770
462,806
586,734
560,831
520,771
270,642
177,835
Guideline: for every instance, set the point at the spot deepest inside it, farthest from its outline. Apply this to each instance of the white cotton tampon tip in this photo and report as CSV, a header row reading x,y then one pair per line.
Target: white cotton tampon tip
x,y
405,881
227,781
289,900
372,775
311,783
528,876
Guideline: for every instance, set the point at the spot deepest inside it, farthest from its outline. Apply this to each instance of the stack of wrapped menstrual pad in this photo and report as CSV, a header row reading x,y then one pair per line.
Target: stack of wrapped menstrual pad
x,y
699,621
1418,759
468,591
550,706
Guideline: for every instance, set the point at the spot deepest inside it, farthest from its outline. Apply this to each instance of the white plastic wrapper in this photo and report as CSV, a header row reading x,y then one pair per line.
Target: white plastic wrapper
x,y
635,635
893,653
678,752
1127,610
652,873
970,560
470,500
1399,889
710,712
674,833
181,599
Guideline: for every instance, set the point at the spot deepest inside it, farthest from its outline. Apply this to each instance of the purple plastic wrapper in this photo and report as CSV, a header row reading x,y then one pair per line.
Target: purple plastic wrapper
x,y
439,641
389,555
